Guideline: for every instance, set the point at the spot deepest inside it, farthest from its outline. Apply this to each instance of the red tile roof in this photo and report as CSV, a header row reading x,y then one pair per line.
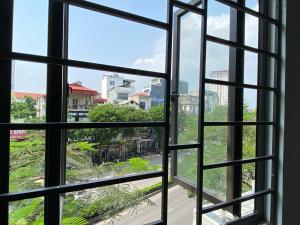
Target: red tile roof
x,y
77,88
21,95
98,99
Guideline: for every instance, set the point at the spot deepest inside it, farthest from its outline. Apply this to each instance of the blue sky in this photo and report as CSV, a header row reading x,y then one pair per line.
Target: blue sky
x,y
105,39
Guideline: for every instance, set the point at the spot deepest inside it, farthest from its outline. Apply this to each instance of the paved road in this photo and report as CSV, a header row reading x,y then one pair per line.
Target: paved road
x,y
180,210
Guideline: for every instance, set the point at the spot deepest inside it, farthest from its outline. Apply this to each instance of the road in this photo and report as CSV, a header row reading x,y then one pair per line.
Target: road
x,y
180,210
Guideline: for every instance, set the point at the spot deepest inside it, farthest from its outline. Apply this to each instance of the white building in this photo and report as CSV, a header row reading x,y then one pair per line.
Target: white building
x,y
221,90
142,99
109,82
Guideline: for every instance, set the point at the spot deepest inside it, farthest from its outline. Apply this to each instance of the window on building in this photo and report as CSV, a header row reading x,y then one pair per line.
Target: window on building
x,y
111,83
123,96
208,140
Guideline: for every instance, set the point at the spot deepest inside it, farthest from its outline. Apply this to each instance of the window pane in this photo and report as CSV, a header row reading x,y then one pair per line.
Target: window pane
x,y
251,30
133,203
218,20
181,205
216,102
94,154
250,68
249,142
250,104
217,61
189,76
193,2
252,4
187,165
215,144
105,39
154,9
27,160
28,96
95,96
215,183
29,211
30,26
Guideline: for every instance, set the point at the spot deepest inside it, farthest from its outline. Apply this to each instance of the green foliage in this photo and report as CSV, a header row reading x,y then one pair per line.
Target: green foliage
x,y
136,165
27,212
23,109
74,221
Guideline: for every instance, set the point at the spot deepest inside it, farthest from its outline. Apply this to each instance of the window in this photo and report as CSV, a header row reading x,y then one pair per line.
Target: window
x,y
123,96
206,139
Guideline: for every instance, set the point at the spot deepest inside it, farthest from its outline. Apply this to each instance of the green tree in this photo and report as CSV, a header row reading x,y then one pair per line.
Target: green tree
x,y
24,109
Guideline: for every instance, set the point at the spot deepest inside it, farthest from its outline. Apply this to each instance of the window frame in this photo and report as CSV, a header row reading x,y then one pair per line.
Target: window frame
x,y
55,125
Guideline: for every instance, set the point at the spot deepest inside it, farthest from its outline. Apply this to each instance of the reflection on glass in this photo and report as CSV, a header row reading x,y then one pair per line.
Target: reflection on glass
x,y
30,26
215,144
114,41
187,164
94,154
189,76
27,212
127,203
27,160
28,92
97,96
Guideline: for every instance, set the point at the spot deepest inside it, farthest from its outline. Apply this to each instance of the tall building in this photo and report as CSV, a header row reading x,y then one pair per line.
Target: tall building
x,y
156,91
221,90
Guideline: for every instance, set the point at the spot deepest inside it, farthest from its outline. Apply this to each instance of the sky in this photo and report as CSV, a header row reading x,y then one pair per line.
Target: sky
x,y
109,40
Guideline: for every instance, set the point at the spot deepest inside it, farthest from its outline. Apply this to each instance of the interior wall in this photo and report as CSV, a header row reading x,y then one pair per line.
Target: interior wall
x,y
289,161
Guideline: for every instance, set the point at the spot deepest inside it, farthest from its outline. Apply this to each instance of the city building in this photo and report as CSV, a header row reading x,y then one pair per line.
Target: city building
x,y
80,100
116,88
130,103
156,91
189,104
142,99
221,90
39,98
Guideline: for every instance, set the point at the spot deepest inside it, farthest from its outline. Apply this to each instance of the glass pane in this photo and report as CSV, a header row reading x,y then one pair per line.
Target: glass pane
x,y
27,160
193,2
133,203
250,68
218,20
248,179
249,142
30,26
250,104
187,165
189,76
252,4
94,154
27,212
215,144
216,102
215,183
217,61
154,9
251,30
105,39
181,205
95,96
28,96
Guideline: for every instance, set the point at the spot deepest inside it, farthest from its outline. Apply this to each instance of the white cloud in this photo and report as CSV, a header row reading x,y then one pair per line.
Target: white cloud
x,y
156,62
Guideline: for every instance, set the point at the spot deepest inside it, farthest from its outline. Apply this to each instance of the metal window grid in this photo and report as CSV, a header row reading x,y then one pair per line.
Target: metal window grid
x,y
58,61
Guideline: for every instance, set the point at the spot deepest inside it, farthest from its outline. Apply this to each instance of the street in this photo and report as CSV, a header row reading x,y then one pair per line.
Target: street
x,y
180,210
